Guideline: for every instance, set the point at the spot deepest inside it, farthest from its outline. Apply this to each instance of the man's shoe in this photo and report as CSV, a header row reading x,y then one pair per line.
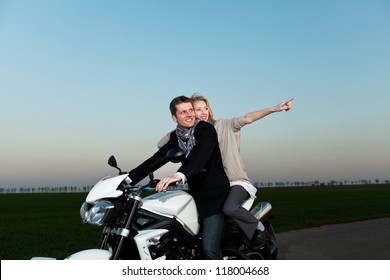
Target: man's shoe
x,y
258,240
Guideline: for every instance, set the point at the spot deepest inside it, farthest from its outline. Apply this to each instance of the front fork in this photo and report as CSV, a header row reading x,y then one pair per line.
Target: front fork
x,y
122,233
104,238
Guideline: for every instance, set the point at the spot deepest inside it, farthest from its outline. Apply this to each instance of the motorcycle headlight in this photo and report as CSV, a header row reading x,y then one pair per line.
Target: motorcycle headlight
x,y
98,214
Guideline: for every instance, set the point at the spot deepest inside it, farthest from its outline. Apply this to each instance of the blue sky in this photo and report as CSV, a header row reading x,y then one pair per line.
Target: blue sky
x,y
81,80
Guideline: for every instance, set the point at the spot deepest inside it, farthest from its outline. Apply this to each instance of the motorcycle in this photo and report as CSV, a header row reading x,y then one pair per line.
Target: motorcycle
x,y
142,225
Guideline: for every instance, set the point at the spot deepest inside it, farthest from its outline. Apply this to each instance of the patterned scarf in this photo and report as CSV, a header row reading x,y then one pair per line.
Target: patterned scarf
x,y
186,139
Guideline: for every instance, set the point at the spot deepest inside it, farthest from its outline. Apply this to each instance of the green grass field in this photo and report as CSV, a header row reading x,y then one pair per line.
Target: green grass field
x,y
50,224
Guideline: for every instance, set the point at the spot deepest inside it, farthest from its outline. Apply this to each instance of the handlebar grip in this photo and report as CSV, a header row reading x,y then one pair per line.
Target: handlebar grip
x,y
172,187
176,187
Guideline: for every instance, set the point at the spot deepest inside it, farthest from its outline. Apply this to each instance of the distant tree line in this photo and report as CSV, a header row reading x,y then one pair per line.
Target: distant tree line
x,y
316,183
73,189
65,189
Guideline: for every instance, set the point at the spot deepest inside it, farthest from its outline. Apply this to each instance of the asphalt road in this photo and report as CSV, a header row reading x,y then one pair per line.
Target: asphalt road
x,y
365,240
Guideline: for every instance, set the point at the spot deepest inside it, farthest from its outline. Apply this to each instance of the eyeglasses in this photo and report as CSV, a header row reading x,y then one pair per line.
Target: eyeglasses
x,y
185,112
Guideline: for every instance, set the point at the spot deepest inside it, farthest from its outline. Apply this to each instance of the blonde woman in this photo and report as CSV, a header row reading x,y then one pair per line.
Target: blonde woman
x,y
241,187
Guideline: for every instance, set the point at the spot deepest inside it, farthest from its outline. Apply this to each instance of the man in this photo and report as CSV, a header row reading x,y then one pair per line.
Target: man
x,y
202,168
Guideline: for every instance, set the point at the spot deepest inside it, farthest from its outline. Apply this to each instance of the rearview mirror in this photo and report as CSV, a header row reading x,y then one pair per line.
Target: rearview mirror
x,y
112,162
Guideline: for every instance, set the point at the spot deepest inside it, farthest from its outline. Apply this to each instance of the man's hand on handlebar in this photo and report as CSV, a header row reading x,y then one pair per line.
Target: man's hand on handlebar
x,y
165,182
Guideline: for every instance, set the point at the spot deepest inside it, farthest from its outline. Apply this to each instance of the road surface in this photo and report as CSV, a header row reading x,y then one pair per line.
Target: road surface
x,y
365,240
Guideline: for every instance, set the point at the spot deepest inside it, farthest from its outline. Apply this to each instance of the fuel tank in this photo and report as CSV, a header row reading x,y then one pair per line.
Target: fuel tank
x,y
178,204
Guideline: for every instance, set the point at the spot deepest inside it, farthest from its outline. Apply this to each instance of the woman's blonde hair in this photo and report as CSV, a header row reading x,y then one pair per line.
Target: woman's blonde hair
x,y
197,97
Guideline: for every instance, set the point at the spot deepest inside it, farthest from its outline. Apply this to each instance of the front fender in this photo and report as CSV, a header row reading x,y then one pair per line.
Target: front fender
x,y
90,254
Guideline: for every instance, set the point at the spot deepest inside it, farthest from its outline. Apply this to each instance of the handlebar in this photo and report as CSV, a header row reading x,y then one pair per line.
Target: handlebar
x,y
177,187
151,186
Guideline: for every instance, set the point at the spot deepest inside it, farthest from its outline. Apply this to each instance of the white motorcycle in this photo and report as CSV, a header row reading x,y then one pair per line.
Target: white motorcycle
x,y
160,226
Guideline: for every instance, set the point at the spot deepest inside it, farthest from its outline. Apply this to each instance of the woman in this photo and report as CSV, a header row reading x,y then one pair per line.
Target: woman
x,y
241,188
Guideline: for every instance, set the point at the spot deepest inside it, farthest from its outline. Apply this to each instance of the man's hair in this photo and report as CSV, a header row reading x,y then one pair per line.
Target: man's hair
x,y
176,101
196,97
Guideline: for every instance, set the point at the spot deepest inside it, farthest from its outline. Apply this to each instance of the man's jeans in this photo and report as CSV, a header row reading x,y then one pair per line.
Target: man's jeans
x,y
212,233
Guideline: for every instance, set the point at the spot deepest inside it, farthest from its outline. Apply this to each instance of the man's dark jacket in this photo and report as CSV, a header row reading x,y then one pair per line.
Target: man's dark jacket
x,y
203,168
